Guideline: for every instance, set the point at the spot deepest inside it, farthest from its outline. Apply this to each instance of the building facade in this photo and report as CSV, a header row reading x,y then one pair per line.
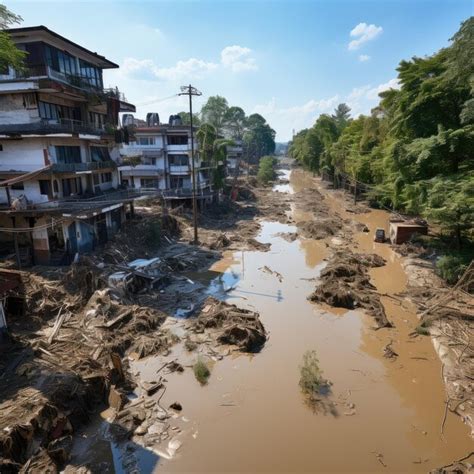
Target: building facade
x,y
160,157
59,145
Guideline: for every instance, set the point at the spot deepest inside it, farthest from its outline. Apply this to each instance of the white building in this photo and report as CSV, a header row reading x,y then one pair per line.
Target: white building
x,y
160,157
58,146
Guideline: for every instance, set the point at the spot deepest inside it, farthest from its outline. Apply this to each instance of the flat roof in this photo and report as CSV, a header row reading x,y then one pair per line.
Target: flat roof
x,y
102,61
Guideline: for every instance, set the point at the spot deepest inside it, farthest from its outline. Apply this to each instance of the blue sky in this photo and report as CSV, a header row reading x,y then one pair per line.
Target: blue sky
x,y
288,60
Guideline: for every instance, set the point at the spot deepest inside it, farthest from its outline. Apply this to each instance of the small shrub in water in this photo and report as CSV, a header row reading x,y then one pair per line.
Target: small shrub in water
x,y
312,382
201,371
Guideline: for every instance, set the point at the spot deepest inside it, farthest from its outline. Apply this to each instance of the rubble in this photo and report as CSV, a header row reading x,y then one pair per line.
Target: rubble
x,y
345,283
231,325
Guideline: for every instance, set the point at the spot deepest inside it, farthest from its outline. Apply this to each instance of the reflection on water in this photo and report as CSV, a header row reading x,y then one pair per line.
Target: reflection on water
x,y
286,188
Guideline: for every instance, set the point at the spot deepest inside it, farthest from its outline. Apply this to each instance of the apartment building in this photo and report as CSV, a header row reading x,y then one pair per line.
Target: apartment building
x,y
59,145
160,157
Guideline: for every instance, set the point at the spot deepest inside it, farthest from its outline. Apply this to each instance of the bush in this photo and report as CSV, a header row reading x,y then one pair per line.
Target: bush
x,y
311,379
201,371
266,169
451,268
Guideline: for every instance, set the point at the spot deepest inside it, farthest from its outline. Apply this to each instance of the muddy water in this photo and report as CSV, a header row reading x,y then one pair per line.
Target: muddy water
x,y
251,417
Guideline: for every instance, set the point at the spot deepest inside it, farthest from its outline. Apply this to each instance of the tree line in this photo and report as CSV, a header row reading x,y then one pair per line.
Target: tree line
x,y
231,123
415,151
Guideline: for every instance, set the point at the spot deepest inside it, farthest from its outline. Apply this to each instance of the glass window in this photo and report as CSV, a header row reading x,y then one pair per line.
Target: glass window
x,y
99,153
68,154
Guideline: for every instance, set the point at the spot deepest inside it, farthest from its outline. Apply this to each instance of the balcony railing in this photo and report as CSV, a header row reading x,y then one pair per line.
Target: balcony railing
x,y
77,167
74,80
45,126
180,169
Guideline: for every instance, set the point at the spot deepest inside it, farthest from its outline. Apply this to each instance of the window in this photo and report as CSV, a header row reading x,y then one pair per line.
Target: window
x,y
146,140
59,112
55,186
99,153
97,120
61,61
18,186
177,140
178,160
106,177
96,179
149,183
68,154
29,101
71,186
90,74
44,185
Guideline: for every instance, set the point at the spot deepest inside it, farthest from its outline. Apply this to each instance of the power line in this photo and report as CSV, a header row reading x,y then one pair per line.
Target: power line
x,y
156,101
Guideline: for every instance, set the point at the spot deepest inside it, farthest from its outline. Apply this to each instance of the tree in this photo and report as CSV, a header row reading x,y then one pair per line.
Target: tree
x,y
341,116
214,112
235,122
259,138
212,149
266,169
186,119
10,55
450,203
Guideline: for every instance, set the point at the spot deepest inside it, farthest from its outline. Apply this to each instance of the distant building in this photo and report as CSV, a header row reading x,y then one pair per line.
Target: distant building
x,y
234,157
160,157
58,149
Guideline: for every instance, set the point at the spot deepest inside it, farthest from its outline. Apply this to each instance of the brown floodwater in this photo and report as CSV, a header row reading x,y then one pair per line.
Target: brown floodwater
x,y
251,417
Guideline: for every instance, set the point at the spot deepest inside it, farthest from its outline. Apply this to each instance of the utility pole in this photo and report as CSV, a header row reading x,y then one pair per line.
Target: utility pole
x,y
190,91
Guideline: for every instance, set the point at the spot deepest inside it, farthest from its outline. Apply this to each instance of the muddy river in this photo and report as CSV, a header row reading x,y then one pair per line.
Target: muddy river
x,y
385,414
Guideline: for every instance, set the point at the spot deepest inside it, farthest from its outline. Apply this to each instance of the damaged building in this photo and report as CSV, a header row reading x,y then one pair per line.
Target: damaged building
x,y
160,157
59,141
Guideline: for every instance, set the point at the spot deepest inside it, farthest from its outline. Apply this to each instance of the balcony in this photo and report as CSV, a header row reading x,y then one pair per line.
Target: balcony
x,y
179,169
82,167
175,148
47,127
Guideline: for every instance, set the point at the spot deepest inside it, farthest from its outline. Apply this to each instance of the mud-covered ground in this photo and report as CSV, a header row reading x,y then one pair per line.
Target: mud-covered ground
x,y
73,353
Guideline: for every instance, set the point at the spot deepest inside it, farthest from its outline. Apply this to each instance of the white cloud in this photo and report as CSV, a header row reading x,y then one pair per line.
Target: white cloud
x,y
146,69
362,99
238,58
363,33
363,58
284,119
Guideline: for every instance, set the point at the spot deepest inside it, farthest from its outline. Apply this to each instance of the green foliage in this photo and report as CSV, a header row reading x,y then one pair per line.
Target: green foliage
x,y
214,112
10,55
451,267
231,122
201,371
311,376
186,119
212,149
415,149
266,169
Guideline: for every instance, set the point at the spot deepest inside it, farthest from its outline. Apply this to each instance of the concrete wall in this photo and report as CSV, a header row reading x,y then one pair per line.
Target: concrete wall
x,y
22,155
13,110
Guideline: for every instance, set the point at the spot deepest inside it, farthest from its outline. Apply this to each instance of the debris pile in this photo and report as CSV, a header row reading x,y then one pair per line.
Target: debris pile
x,y
320,228
345,283
232,325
